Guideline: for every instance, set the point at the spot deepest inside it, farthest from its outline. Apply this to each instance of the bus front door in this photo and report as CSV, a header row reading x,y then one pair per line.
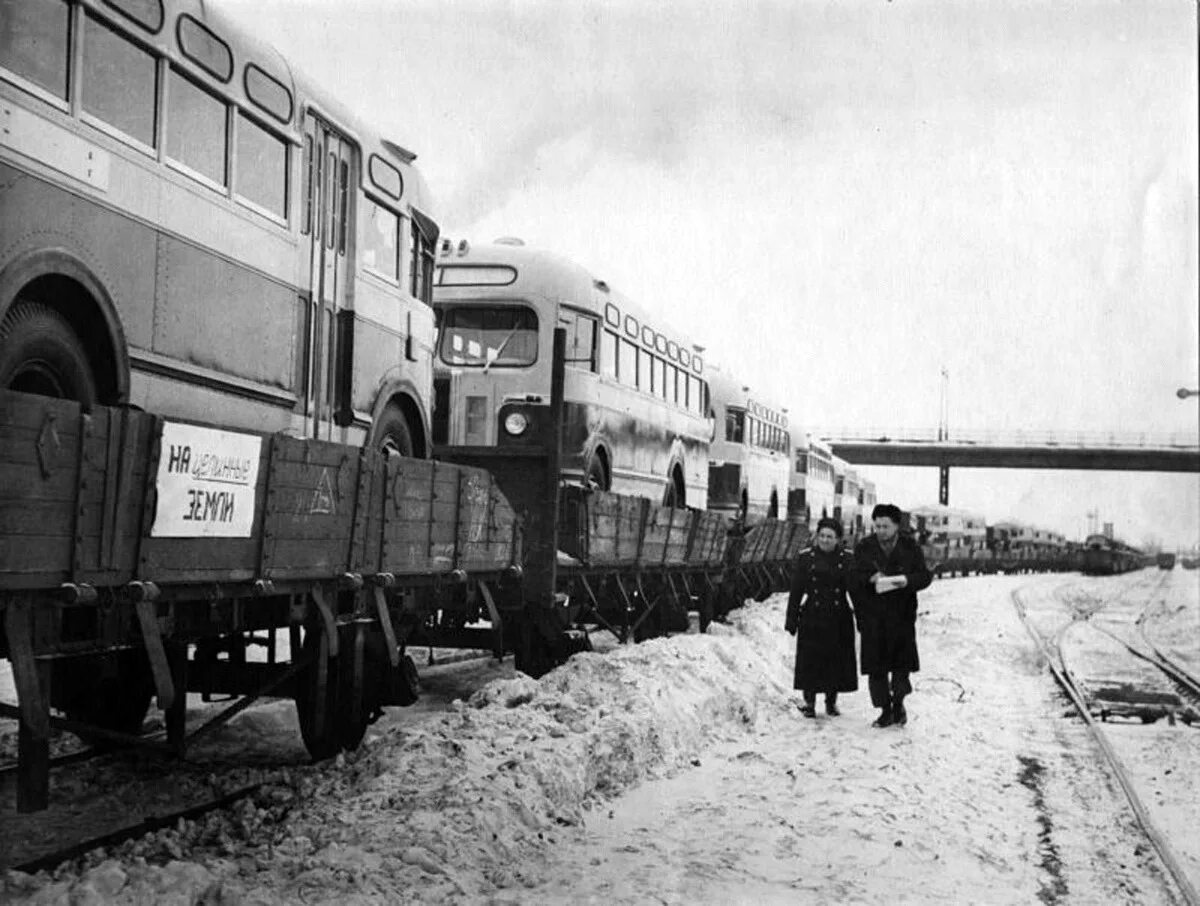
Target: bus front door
x,y
331,162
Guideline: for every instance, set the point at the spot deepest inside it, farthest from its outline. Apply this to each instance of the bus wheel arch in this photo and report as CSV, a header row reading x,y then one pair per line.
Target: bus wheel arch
x,y
675,494
598,473
60,287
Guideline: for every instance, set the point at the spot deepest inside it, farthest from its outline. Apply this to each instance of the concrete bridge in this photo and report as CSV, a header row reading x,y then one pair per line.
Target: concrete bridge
x,y
1129,452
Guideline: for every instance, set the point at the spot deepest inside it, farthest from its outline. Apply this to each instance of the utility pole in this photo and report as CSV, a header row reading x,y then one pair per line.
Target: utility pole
x,y
943,434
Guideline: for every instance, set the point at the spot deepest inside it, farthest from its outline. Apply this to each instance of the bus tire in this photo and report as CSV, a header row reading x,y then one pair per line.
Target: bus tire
x,y
40,353
675,494
595,476
393,434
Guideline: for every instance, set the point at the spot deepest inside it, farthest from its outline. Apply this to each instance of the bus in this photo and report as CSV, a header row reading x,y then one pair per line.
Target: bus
x,y
190,228
810,486
750,453
636,398
847,503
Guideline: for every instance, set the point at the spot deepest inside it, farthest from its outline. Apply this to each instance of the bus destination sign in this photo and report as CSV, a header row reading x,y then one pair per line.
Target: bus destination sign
x,y
206,483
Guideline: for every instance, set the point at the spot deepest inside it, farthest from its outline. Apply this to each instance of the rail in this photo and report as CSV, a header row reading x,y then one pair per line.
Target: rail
x,y
1052,653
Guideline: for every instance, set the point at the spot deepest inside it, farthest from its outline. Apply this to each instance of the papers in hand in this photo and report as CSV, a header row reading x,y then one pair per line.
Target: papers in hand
x,y
884,584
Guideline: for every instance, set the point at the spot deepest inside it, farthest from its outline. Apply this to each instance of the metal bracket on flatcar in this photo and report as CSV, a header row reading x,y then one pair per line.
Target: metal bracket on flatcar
x,y
156,653
497,623
80,593
350,581
264,587
326,614
385,622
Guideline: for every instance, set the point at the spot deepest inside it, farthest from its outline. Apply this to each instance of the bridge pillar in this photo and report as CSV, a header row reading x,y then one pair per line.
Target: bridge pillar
x,y
944,485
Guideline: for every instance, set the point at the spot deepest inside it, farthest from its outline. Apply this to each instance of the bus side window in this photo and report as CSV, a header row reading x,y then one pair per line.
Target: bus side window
x,y
261,167
33,44
627,363
608,354
120,82
196,127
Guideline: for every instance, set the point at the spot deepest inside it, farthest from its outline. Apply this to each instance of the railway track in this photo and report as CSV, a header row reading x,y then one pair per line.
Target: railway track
x,y
1050,648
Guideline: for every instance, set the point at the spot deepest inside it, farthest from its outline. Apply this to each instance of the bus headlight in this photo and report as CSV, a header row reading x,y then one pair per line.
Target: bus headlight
x,y
515,423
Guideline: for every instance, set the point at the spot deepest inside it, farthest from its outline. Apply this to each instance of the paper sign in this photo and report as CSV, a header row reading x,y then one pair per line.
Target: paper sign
x,y
206,483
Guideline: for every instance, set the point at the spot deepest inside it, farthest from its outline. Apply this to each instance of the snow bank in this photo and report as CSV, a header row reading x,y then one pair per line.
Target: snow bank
x,y
467,802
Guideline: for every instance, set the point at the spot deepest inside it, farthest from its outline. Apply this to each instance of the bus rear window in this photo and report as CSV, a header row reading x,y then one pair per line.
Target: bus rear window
x,y
33,42
499,336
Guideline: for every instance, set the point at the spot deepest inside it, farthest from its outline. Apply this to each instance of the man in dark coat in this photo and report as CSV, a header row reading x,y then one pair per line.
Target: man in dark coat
x,y
819,615
888,571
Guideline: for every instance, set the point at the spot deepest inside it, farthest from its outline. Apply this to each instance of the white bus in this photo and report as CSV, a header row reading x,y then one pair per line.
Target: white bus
x,y
749,457
635,390
189,227
810,495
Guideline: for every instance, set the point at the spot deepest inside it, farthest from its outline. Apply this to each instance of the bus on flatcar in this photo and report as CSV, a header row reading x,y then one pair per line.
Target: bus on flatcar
x,y
636,398
847,504
811,481
190,228
750,453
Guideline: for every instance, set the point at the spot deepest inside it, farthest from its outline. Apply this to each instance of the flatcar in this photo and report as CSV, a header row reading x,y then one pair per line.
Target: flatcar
x,y
1105,556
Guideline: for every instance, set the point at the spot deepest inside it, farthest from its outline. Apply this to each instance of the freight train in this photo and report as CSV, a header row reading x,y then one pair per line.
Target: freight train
x,y
242,394
1105,556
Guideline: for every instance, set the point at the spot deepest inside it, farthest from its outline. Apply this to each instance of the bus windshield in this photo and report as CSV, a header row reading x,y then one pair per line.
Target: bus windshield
x,y
489,336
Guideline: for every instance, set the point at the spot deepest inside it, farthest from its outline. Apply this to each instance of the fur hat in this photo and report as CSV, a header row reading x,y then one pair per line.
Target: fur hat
x,y
887,511
830,524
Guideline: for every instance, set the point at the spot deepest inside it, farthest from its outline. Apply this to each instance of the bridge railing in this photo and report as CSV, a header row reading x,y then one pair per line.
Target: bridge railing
x,y
1071,439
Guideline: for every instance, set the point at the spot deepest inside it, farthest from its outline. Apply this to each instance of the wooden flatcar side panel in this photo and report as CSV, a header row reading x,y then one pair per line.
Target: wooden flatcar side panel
x,y
207,494
312,499
615,526
709,539
420,516
485,537
39,477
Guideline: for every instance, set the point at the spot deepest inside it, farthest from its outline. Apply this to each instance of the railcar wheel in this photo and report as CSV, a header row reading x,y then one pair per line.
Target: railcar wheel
x,y
109,691
335,709
40,353
393,434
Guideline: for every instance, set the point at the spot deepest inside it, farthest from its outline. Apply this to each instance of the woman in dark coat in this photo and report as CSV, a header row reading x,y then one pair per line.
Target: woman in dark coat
x,y
888,571
820,617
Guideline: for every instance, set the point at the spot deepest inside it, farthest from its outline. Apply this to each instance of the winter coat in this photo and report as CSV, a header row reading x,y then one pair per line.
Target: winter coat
x,y
888,622
820,615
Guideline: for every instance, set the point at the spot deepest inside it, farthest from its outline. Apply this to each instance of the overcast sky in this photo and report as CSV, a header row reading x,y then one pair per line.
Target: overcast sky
x,y
838,199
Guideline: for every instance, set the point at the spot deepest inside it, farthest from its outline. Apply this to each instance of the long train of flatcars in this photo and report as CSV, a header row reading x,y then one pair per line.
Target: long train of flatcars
x,y
219,406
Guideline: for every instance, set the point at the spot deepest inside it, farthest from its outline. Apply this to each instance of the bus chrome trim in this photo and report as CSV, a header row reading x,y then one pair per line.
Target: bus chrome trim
x,y
163,366
52,145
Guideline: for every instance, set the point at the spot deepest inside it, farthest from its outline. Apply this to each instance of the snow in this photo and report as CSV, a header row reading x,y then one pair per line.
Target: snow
x,y
681,771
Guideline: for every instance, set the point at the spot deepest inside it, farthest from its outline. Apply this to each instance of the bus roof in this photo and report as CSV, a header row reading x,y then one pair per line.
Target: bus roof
x,y
510,267
726,389
261,81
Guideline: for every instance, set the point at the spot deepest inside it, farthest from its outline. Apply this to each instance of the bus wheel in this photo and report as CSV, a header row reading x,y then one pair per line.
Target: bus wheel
x,y
39,353
675,493
392,433
594,477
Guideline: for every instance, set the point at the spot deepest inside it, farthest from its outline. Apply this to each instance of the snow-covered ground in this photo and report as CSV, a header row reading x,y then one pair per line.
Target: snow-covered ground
x,y
680,771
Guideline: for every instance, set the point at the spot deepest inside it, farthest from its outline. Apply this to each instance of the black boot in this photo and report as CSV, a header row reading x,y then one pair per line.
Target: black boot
x,y
810,706
831,707
885,718
899,715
